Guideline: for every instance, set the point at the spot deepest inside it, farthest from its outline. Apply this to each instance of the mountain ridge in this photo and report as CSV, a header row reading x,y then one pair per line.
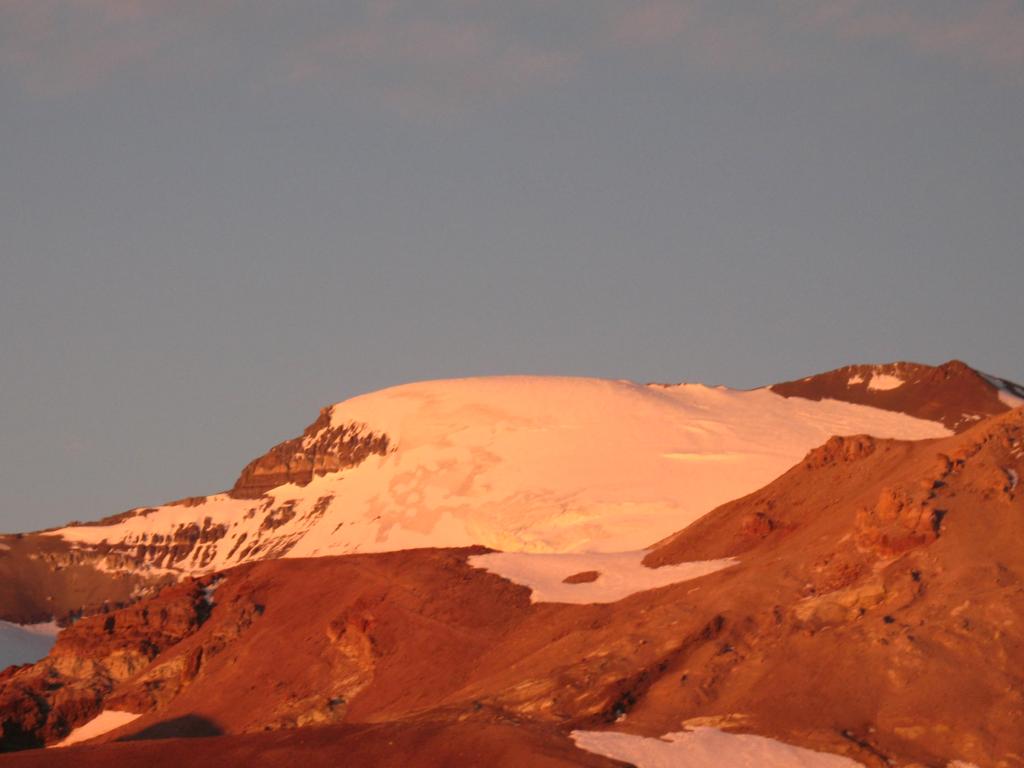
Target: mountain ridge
x,y
632,456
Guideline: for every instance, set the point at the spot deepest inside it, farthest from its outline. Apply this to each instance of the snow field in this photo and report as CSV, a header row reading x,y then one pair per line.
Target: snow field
x,y
620,574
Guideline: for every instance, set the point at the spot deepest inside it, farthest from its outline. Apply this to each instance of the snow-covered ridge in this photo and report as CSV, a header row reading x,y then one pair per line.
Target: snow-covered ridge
x,y
516,463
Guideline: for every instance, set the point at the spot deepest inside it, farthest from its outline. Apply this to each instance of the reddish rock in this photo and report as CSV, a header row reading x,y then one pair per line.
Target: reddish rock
x,y
952,393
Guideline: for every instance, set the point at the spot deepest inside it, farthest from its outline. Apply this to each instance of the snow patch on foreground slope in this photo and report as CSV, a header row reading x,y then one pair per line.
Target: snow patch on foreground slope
x,y
705,748
25,643
521,463
619,574
104,722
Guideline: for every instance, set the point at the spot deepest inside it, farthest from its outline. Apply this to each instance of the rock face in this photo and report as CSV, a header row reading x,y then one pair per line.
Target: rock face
x,y
858,621
42,703
320,449
952,393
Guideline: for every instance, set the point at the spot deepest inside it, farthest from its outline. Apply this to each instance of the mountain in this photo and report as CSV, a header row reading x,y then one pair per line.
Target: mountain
x,y
861,600
864,608
514,463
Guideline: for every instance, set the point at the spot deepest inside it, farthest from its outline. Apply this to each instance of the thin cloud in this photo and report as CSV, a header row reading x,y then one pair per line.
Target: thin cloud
x,y
647,24
774,36
54,47
986,34
426,56
421,65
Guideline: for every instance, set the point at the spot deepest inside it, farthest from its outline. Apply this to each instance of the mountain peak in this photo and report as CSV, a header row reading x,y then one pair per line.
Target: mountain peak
x,y
952,393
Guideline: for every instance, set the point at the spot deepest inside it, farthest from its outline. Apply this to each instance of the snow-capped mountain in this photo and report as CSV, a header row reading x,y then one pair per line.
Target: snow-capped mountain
x,y
517,464
533,464
864,609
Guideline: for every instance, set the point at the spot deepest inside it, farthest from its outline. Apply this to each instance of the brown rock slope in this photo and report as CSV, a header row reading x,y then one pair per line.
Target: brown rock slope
x,y
891,608
877,611
952,393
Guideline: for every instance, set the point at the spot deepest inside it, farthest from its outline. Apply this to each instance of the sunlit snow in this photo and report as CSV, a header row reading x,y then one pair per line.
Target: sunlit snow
x,y
706,748
620,574
884,382
521,463
104,722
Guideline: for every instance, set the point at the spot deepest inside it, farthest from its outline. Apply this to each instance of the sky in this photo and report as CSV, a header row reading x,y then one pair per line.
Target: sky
x,y
217,216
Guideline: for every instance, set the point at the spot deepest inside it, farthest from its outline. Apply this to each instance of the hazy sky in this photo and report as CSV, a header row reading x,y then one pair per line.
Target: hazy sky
x,y
217,216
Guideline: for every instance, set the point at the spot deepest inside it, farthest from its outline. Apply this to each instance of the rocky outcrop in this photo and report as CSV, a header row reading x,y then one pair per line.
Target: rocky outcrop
x,y
320,449
42,703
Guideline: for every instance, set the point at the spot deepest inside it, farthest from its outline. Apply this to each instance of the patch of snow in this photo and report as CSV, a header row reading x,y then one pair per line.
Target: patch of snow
x,y
26,643
706,748
620,574
522,463
4,547
104,722
855,379
884,382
